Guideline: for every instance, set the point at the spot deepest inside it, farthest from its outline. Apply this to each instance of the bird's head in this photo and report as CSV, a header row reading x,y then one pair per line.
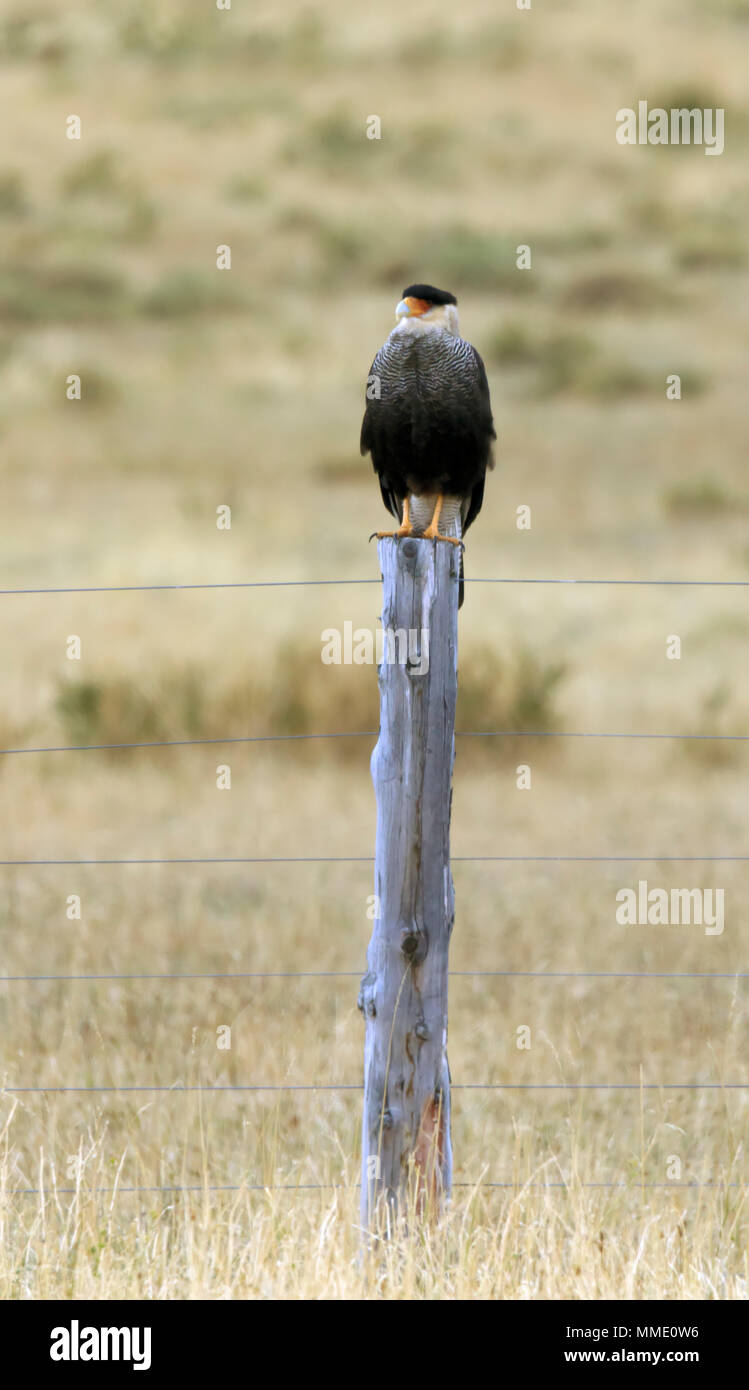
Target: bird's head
x,y
424,308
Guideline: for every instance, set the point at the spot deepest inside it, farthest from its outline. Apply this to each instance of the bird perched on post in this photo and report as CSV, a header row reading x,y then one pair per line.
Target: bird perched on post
x,y
428,420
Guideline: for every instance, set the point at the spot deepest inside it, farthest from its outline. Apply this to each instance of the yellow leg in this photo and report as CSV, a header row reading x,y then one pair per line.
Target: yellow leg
x,y
405,528
433,532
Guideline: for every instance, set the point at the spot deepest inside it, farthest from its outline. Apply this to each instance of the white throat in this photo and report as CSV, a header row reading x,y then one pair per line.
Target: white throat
x,y
442,318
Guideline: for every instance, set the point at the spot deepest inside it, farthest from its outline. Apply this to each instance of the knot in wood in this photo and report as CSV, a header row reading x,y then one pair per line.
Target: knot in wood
x,y
413,944
366,1001
409,550
421,1030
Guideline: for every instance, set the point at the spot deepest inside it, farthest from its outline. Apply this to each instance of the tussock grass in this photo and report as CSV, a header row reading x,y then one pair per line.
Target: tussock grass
x,y
184,292
566,362
614,289
13,200
703,497
298,694
63,293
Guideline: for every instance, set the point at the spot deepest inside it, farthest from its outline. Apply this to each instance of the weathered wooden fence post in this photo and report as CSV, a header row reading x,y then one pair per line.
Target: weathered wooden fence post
x,y
403,997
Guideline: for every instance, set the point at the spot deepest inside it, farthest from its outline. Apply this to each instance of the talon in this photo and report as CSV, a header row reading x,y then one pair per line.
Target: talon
x,y
432,534
405,528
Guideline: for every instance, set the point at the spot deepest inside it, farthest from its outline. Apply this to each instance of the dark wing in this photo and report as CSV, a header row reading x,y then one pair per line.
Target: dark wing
x,y
485,427
368,445
393,503
366,441
472,504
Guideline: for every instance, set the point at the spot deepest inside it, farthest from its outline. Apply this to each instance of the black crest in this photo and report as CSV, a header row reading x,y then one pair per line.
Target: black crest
x,y
430,294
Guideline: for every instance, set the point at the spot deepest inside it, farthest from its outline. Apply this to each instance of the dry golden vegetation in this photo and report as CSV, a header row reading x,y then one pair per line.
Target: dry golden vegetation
x,y
244,387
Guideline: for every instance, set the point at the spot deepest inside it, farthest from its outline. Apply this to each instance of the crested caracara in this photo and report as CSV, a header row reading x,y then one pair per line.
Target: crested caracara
x,y
428,420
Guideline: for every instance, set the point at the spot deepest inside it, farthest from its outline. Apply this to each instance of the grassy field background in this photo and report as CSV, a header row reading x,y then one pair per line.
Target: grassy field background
x,y
245,387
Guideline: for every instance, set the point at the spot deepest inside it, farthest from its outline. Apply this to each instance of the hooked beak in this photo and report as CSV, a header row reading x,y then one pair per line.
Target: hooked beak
x,y
410,308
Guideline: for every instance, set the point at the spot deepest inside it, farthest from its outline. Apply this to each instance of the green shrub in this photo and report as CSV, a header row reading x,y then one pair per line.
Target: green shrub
x,y
701,497
62,293
181,293
13,202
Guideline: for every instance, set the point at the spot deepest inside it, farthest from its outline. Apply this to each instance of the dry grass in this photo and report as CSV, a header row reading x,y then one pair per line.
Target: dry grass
x,y
203,388
307,1245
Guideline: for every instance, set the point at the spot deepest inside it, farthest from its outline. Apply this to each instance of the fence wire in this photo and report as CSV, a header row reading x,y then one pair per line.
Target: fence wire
x,y
367,733
258,975
355,974
322,583
635,1188
369,859
177,1090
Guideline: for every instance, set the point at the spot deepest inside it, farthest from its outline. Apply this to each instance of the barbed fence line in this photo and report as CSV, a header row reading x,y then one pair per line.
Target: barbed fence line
x,y
176,1090
366,733
356,974
369,859
323,583
289,738
634,1187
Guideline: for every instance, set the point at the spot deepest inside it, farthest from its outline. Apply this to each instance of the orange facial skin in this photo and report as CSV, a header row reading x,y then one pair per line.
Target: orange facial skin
x,y
417,306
